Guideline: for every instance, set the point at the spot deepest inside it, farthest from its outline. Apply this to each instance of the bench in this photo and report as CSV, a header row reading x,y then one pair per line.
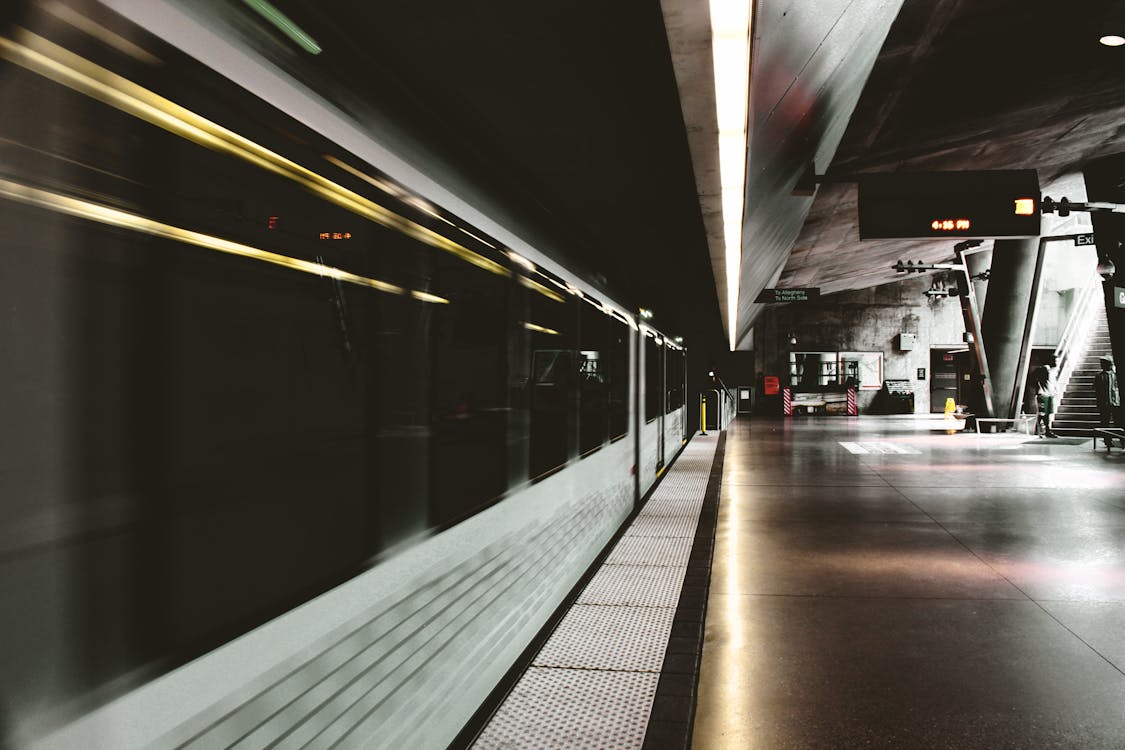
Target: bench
x,y
1109,434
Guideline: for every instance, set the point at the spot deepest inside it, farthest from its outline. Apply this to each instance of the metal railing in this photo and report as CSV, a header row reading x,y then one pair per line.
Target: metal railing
x,y
1075,337
717,407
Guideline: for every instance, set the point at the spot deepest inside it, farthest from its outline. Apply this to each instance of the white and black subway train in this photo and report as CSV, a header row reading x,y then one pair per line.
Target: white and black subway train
x,y
301,446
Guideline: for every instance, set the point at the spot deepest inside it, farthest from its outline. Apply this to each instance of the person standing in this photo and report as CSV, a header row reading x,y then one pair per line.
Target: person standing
x,y
1107,395
1044,381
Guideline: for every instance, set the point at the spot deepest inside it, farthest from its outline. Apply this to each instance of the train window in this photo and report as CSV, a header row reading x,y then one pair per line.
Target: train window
x,y
469,351
674,378
551,380
618,377
593,419
654,391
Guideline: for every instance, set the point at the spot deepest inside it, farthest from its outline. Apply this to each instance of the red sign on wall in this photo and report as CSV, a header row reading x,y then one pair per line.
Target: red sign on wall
x,y
770,385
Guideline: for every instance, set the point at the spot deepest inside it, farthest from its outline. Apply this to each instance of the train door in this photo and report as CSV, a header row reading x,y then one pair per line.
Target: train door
x,y
661,353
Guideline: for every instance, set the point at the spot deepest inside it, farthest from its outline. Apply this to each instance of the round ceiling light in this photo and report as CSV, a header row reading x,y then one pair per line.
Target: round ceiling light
x,y
1112,40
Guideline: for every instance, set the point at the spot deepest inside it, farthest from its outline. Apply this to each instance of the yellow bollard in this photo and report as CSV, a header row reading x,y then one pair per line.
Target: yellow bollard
x,y
703,417
950,408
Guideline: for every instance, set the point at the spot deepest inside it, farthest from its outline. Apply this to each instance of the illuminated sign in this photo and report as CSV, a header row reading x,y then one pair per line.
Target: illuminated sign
x,y
335,235
950,225
921,205
1118,297
271,223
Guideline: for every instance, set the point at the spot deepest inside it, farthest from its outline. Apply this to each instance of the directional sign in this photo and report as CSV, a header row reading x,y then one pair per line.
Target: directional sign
x,y
1118,297
788,295
1083,239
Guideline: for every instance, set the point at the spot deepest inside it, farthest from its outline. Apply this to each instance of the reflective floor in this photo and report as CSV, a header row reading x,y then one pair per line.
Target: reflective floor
x,y
926,590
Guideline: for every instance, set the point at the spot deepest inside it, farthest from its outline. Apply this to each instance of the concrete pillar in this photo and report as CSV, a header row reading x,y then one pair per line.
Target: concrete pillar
x,y
1005,316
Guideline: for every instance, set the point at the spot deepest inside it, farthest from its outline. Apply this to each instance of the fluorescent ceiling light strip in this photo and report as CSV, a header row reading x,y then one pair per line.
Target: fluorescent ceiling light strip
x,y
285,25
115,217
62,66
730,44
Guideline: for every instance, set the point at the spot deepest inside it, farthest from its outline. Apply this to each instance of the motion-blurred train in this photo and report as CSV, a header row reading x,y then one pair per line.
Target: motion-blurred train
x,y
302,444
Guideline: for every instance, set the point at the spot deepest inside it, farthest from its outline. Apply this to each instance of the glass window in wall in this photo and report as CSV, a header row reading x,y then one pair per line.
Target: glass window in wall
x,y
812,369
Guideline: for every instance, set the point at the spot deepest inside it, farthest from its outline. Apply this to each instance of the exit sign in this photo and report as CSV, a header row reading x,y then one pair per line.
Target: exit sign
x,y
924,205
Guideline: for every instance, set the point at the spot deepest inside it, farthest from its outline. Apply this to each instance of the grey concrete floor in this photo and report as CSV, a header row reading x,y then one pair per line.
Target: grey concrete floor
x,y
969,593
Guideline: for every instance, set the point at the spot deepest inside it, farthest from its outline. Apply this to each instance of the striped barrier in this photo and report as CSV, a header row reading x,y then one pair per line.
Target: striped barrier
x,y
787,401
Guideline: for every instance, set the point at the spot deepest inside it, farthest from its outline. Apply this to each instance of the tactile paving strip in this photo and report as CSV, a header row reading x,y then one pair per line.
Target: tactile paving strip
x,y
635,586
681,527
593,683
573,708
673,507
631,550
624,638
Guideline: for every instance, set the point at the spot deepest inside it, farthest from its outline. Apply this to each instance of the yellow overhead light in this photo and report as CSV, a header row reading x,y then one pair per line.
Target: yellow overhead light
x,y
540,329
115,217
427,297
62,66
730,46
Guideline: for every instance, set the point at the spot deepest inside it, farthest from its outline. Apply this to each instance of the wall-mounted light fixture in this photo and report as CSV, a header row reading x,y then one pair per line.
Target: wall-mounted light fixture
x,y
792,339
1106,268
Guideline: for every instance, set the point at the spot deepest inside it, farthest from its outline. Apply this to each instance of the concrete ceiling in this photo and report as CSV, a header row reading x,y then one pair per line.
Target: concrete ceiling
x,y
957,84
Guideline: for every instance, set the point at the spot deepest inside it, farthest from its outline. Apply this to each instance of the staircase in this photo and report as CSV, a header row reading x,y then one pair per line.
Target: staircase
x,y
1077,414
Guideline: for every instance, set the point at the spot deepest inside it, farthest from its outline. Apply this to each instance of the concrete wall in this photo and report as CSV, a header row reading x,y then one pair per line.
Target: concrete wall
x,y
867,320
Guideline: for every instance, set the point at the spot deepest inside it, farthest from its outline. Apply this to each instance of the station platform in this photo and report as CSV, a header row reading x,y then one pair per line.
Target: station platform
x,y
875,582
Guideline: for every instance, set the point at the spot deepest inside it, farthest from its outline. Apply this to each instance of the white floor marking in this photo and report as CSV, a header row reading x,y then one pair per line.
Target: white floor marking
x,y
859,448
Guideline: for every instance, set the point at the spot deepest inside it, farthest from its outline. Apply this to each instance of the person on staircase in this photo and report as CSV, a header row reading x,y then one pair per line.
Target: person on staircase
x,y
1107,396
1045,385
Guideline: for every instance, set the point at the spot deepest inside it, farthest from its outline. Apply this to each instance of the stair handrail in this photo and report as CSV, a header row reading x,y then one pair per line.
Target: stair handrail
x,y
1076,334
